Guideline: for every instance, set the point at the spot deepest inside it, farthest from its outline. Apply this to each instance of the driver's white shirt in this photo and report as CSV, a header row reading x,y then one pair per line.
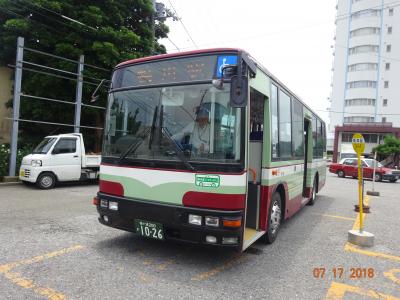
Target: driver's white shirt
x,y
197,135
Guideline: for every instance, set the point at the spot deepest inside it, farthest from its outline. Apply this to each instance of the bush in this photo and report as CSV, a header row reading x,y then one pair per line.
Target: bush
x,y
5,157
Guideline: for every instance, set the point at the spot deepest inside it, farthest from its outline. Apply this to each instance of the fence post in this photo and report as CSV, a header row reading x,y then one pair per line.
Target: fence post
x,y
16,102
78,101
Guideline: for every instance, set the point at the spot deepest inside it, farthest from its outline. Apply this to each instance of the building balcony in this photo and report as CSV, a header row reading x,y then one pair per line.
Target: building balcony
x,y
365,93
362,75
365,22
370,57
373,39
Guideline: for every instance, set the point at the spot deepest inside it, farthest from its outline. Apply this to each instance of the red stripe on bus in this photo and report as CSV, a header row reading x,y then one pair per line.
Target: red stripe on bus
x,y
213,200
112,188
266,194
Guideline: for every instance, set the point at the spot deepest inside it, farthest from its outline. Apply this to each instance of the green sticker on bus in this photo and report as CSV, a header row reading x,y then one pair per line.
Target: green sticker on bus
x,y
206,180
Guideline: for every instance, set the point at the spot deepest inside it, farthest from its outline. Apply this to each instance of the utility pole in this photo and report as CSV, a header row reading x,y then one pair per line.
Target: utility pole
x,y
160,13
16,101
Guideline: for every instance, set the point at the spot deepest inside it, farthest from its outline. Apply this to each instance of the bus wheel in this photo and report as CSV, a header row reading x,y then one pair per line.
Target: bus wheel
x,y
46,181
313,193
274,218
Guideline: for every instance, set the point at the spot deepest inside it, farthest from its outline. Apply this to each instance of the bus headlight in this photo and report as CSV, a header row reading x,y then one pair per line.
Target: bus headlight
x,y
36,163
212,221
113,205
195,220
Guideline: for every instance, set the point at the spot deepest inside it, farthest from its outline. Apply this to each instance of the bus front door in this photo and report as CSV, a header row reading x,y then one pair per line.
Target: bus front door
x,y
255,150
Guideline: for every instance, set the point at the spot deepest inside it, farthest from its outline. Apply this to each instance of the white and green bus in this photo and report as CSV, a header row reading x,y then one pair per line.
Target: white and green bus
x,y
206,147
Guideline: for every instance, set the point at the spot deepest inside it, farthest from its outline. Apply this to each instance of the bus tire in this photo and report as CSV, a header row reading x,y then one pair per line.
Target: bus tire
x,y
274,218
46,181
313,192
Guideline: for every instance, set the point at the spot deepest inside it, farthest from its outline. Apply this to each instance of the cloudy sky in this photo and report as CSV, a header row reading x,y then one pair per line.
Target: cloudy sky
x,y
291,38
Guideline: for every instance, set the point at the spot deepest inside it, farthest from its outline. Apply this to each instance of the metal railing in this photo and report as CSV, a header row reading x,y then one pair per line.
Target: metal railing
x,y
78,77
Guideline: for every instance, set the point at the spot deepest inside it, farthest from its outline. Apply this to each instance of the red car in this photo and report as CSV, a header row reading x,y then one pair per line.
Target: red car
x,y
348,167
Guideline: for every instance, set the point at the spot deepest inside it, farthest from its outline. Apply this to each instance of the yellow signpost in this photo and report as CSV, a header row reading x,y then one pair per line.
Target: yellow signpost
x,y
360,237
359,146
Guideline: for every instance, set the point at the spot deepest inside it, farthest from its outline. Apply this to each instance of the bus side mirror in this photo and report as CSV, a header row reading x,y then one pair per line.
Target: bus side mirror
x,y
239,91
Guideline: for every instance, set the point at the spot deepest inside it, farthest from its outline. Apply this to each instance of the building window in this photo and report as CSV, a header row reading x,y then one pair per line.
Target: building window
x,y
387,66
386,84
385,102
363,49
359,102
368,137
358,119
388,48
391,10
355,1
365,31
383,119
361,84
366,13
362,67
389,31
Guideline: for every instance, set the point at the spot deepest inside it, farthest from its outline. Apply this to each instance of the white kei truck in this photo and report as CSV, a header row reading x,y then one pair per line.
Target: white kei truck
x,y
59,158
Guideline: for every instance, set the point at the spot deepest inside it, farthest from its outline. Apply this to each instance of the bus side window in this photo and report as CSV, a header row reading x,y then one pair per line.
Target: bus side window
x,y
256,115
274,122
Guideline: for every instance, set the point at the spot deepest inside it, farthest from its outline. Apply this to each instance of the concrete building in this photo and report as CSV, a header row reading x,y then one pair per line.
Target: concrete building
x,y
366,70
5,94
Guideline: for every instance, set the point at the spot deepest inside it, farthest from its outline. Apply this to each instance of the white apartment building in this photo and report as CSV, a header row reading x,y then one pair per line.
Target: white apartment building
x,y
366,68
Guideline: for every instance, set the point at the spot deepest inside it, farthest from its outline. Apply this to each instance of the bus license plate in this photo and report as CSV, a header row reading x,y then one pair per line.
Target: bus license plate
x,y
149,229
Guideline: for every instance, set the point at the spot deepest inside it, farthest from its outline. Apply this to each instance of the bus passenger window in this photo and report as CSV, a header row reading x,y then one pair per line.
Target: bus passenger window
x,y
274,122
256,115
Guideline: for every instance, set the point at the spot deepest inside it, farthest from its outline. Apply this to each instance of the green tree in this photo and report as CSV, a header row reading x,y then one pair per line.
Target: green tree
x,y
390,146
105,31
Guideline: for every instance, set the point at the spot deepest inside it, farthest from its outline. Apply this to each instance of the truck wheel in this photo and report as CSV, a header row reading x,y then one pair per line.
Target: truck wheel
x,y
274,218
340,173
313,193
46,181
378,177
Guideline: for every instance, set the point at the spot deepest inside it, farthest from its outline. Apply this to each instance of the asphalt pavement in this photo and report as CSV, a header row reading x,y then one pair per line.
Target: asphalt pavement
x,y
52,247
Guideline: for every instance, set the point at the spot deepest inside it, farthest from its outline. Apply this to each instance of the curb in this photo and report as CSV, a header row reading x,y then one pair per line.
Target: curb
x,y
10,183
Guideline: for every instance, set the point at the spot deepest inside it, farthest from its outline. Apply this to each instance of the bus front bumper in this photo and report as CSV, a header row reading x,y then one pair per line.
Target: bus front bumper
x,y
173,218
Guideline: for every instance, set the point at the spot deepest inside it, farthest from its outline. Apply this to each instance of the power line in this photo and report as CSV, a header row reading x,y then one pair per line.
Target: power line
x,y
355,113
177,48
11,12
183,25
371,54
385,6
61,15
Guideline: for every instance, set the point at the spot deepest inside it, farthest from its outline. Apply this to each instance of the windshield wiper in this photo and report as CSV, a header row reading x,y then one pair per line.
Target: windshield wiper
x,y
134,145
180,153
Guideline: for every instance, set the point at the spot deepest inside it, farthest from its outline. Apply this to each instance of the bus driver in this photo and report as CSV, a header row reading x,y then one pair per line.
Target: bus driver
x,y
196,135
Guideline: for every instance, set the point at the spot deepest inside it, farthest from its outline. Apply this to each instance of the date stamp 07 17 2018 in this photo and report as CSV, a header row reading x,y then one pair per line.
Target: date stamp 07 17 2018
x,y
340,272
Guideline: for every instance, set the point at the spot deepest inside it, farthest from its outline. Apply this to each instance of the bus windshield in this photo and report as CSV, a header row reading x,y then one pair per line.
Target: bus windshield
x,y
192,122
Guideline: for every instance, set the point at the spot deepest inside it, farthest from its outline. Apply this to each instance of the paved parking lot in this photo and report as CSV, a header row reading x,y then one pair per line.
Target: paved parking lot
x,y
52,246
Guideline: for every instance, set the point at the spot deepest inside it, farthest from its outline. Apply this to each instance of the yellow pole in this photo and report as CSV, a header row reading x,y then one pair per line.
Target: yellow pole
x,y
360,196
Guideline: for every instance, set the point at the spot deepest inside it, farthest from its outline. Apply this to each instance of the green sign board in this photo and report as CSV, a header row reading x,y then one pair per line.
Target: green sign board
x,y
207,180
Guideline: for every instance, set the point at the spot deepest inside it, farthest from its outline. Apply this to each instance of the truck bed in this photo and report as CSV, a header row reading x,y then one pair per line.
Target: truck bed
x,y
90,161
